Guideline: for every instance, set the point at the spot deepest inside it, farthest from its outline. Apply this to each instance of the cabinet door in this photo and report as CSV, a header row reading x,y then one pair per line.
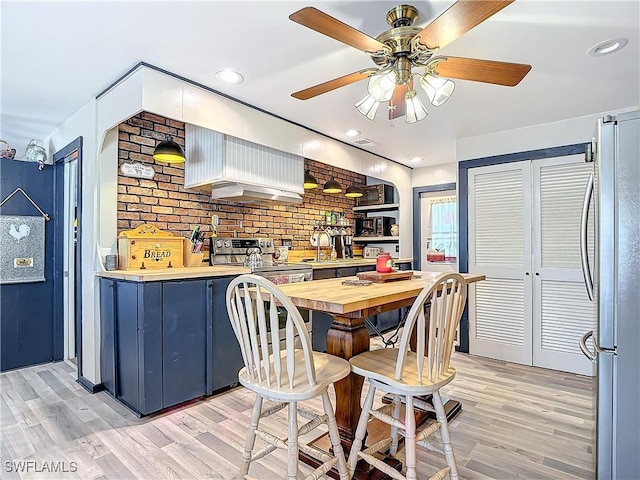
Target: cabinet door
x,y
562,311
500,248
226,357
184,340
322,273
346,272
107,335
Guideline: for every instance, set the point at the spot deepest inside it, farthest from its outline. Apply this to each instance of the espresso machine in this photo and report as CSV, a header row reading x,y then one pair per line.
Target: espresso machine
x,y
348,245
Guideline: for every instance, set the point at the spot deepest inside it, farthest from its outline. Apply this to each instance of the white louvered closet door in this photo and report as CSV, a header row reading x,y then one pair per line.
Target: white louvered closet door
x,y
500,248
562,311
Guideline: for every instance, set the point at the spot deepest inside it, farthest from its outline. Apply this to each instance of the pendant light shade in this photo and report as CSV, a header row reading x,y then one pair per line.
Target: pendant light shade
x,y
332,186
169,151
415,108
353,191
437,89
368,106
309,181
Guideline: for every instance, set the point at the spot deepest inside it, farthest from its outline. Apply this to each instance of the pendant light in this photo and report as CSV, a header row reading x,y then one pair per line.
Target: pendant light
x,y
169,151
353,191
332,186
309,181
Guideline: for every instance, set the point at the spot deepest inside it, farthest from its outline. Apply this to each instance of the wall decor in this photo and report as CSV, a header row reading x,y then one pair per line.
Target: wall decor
x,y
137,170
22,258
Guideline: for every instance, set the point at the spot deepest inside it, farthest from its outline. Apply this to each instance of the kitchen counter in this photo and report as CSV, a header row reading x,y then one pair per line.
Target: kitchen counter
x,y
177,273
351,262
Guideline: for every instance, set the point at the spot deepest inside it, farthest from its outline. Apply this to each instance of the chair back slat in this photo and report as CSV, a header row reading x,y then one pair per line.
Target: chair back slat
x,y
263,333
275,340
445,301
250,299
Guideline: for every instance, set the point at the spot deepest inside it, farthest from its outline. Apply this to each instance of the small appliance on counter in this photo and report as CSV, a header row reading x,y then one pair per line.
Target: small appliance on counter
x,y
374,226
376,195
371,252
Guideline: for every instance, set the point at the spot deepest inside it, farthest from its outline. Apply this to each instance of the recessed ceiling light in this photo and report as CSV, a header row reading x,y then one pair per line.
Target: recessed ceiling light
x,y
607,47
416,159
352,133
229,76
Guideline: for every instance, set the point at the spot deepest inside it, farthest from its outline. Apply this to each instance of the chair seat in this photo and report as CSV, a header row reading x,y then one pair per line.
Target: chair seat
x,y
380,365
329,369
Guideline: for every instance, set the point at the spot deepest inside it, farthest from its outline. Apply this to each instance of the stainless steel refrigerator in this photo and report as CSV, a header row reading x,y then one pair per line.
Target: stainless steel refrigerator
x,y
614,284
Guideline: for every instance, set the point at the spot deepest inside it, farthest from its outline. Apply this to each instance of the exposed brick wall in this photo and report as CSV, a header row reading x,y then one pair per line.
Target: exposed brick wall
x,y
165,202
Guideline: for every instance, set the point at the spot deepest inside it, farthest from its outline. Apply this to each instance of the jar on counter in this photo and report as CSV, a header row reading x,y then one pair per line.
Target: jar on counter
x,y
384,263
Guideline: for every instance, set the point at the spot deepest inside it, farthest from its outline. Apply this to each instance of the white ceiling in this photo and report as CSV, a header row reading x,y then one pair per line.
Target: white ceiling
x,y
56,56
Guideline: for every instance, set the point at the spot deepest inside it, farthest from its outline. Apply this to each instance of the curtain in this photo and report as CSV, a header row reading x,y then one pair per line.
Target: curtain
x,y
444,224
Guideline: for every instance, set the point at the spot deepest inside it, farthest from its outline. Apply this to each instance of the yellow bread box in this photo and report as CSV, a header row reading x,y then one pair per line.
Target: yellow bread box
x,y
149,247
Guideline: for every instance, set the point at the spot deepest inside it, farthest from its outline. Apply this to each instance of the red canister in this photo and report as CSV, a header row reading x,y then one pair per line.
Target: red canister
x,y
384,263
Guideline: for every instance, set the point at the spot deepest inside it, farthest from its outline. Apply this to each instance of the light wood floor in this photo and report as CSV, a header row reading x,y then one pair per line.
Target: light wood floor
x,y
517,422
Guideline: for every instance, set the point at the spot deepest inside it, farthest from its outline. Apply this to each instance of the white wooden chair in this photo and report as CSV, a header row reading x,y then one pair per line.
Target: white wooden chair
x,y
409,374
286,375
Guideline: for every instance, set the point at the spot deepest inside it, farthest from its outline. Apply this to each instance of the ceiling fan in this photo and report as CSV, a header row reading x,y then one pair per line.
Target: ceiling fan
x,y
401,48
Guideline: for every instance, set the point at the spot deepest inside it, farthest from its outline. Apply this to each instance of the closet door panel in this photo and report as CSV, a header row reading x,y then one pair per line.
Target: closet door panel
x,y
562,312
500,248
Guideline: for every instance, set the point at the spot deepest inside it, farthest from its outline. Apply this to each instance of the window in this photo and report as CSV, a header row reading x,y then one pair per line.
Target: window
x,y
440,227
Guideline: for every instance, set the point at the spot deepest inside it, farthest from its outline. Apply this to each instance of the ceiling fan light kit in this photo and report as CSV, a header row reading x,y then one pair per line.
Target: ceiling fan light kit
x,y
368,106
401,48
415,108
382,85
438,89
169,151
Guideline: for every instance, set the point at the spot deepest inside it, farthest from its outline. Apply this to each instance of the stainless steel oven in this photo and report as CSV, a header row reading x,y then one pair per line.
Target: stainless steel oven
x,y
232,251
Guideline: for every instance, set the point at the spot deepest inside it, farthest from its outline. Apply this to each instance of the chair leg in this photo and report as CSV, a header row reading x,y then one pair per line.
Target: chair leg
x,y
334,435
393,450
361,429
292,444
444,434
410,439
251,438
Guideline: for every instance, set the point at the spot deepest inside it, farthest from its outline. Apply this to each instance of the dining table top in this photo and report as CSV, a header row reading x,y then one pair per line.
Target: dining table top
x,y
331,296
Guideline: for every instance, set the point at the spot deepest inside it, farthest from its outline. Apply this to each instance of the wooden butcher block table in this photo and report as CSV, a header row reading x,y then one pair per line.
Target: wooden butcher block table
x,y
349,305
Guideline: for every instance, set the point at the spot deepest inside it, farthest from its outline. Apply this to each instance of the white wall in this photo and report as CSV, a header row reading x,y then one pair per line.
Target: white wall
x,y
83,124
553,134
435,175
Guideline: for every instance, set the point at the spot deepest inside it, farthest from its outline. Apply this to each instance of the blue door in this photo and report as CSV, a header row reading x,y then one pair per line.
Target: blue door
x,y
31,327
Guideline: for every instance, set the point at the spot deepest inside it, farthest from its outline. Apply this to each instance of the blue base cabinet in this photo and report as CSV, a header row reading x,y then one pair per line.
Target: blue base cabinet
x,y
165,343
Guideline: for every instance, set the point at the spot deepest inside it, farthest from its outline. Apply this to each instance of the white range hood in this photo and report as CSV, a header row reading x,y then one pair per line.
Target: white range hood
x,y
241,192
240,171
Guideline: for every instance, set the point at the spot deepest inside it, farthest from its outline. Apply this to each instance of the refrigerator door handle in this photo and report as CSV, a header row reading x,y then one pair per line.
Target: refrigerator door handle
x,y
584,223
592,356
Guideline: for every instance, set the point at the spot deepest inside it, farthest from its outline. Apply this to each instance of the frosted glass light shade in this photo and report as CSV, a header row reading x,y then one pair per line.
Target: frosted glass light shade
x,y
368,106
438,89
415,108
381,86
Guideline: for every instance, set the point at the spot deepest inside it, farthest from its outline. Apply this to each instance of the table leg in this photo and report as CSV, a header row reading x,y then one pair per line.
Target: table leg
x,y
347,338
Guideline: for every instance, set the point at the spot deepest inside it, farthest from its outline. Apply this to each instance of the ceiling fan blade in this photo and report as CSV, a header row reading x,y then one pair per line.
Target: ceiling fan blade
x,y
397,105
325,87
331,27
457,20
487,71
